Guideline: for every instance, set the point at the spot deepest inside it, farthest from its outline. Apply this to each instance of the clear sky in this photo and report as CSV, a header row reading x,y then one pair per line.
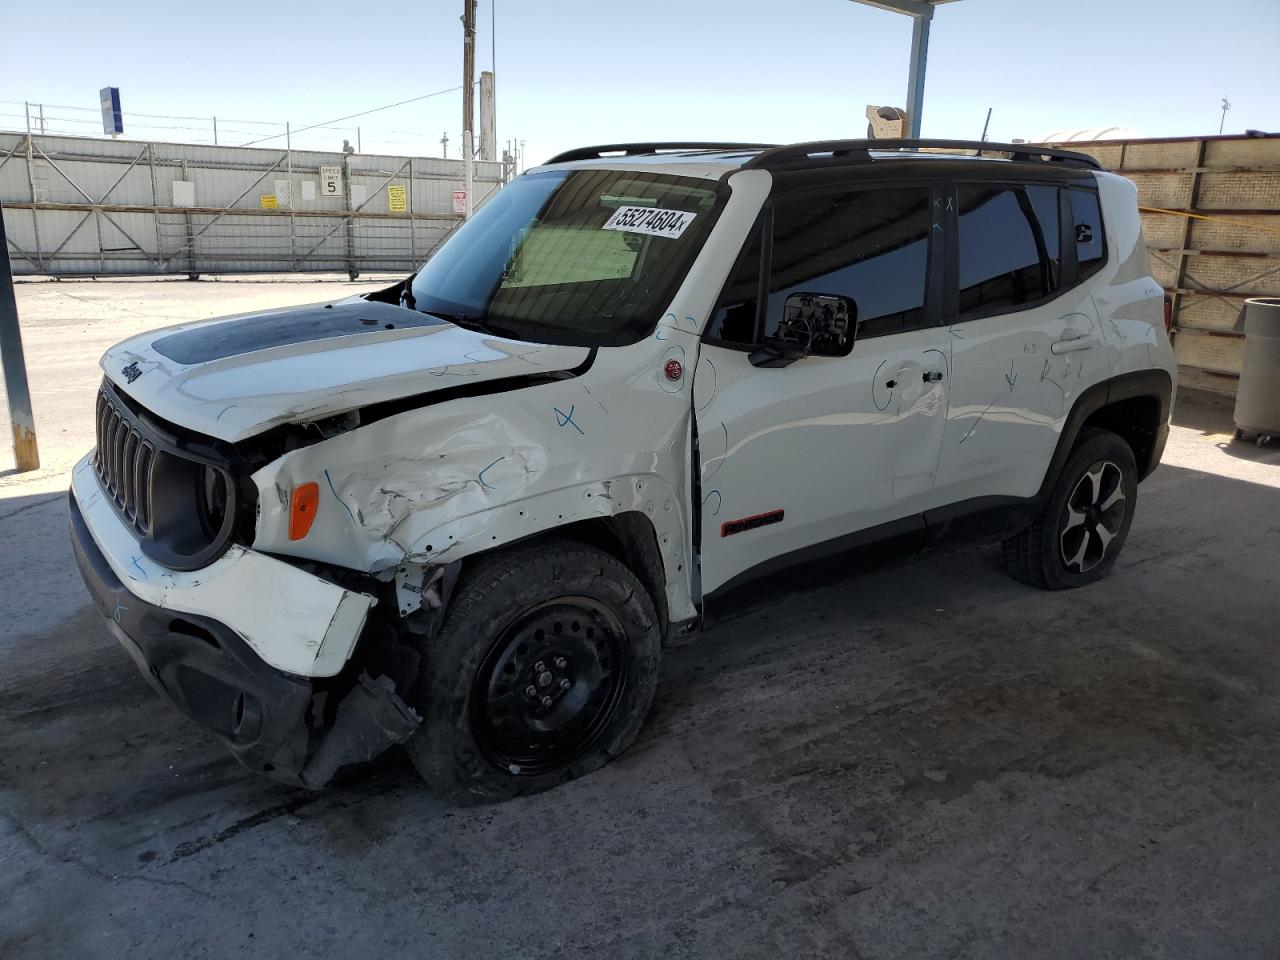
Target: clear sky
x,y
590,71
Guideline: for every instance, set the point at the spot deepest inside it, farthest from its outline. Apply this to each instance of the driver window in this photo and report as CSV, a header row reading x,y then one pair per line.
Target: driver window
x,y
871,246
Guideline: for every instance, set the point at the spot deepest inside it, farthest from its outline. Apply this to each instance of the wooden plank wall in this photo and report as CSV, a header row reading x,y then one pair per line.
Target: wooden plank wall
x,y
1210,266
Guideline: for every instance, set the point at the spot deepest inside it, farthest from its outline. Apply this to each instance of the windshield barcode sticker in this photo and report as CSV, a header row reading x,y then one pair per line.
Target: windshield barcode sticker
x,y
650,220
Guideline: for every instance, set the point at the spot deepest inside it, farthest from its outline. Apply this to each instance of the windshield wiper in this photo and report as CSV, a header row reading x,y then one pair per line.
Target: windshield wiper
x,y
478,324
458,319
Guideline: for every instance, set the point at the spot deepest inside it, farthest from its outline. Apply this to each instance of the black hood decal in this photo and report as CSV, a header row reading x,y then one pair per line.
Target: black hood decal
x,y
262,331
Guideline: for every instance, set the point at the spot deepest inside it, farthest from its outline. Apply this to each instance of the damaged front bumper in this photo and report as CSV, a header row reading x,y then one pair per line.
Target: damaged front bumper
x,y
294,727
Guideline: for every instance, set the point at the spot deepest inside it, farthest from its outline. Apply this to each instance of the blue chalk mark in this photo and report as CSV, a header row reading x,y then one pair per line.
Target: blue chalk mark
x,y
659,336
566,419
120,609
329,480
133,562
483,485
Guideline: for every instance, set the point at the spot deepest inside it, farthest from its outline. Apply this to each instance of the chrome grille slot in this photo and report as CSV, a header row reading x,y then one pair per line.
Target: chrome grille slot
x,y
142,481
128,459
125,462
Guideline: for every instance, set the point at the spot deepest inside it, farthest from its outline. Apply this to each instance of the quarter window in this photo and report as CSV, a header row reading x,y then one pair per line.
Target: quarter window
x,y
871,246
1003,262
1090,250
735,317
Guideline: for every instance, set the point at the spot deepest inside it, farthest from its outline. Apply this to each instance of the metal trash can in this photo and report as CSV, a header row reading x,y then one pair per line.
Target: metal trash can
x,y
1257,414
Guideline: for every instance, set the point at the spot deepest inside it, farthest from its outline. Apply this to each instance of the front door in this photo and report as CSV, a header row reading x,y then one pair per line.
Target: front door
x,y
810,454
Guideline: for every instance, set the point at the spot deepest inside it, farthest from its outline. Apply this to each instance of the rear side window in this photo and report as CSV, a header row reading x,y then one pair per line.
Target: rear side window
x,y
1090,248
1003,261
1044,203
871,246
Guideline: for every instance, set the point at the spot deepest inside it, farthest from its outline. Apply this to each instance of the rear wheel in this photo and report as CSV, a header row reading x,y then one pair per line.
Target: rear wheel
x,y
543,671
1084,523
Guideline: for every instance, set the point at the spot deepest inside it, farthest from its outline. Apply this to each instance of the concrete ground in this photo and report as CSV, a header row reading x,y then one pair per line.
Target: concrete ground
x,y
927,761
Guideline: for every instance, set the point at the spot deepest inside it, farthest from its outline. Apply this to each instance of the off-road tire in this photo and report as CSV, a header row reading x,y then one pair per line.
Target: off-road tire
x,y
492,597
1035,556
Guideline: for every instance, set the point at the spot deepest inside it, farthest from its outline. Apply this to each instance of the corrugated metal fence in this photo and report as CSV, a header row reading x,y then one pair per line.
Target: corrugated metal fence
x,y
1211,217
77,206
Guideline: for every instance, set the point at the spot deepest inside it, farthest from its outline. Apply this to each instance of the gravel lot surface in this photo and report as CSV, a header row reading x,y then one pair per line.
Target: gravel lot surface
x,y
925,761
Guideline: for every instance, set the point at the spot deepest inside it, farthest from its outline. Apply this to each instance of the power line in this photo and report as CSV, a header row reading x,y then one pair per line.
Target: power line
x,y
363,113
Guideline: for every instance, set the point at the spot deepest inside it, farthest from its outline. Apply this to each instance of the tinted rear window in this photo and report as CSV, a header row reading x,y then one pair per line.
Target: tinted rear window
x,y
1000,259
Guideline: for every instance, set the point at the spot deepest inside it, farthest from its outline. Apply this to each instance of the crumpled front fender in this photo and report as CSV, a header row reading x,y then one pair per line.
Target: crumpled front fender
x,y
441,483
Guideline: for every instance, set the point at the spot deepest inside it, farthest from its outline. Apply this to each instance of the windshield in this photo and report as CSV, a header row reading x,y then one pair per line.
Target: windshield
x,y
584,257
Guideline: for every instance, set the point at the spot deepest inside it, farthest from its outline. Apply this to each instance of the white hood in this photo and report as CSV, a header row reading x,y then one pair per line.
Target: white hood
x,y
232,378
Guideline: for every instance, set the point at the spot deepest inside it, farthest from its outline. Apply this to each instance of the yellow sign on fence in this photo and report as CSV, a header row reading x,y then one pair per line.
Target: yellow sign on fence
x,y
397,199
268,201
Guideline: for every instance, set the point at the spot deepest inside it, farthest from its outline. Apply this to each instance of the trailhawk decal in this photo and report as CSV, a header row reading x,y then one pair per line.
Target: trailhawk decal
x,y
650,220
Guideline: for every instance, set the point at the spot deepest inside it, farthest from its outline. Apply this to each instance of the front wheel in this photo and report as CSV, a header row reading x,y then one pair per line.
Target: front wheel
x,y
1084,523
543,671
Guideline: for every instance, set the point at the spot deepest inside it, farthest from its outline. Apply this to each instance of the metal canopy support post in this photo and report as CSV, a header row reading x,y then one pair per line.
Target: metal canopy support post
x,y
915,77
921,14
25,452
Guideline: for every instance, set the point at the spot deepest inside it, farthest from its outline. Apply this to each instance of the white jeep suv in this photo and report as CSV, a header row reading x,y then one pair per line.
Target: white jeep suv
x,y
464,513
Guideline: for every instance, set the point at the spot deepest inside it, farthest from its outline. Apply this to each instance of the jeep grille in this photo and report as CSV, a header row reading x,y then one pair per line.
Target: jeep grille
x,y
175,489
124,460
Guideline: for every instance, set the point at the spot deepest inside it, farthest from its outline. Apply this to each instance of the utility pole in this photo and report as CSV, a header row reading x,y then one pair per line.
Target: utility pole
x,y
468,63
25,453
1226,105
468,100
444,145
488,123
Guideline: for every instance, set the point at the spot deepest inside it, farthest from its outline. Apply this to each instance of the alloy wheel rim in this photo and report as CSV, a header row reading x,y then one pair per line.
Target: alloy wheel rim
x,y
1092,517
549,686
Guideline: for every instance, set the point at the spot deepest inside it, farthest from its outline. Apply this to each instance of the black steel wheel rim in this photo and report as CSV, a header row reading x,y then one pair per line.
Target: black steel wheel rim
x,y
549,685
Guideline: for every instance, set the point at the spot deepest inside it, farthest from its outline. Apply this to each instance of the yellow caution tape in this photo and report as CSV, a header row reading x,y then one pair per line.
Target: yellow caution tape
x,y
1244,225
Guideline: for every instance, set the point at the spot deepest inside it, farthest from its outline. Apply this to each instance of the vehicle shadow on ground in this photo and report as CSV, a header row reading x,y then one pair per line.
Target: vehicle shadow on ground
x,y
831,740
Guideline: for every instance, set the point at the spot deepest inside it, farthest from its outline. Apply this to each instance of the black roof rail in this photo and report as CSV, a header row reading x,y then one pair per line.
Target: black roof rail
x,y
859,151
640,149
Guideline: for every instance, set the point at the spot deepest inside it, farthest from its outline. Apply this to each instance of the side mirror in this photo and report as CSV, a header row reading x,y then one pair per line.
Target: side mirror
x,y
813,324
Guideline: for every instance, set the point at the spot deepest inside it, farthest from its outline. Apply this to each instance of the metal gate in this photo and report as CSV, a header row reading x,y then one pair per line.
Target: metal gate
x,y
82,206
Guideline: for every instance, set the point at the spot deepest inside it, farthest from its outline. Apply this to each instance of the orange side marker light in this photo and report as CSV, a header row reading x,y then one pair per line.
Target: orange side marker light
x,y
302,509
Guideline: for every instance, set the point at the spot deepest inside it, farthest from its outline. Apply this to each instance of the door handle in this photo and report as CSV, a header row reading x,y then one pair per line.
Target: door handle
x,y
1072,344
932,376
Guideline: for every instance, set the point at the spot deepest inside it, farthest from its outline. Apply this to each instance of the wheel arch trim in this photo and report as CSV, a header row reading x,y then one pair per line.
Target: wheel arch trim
x,y
1154,385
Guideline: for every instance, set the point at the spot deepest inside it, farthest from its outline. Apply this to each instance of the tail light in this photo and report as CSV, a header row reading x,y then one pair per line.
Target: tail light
x,y
1168,313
